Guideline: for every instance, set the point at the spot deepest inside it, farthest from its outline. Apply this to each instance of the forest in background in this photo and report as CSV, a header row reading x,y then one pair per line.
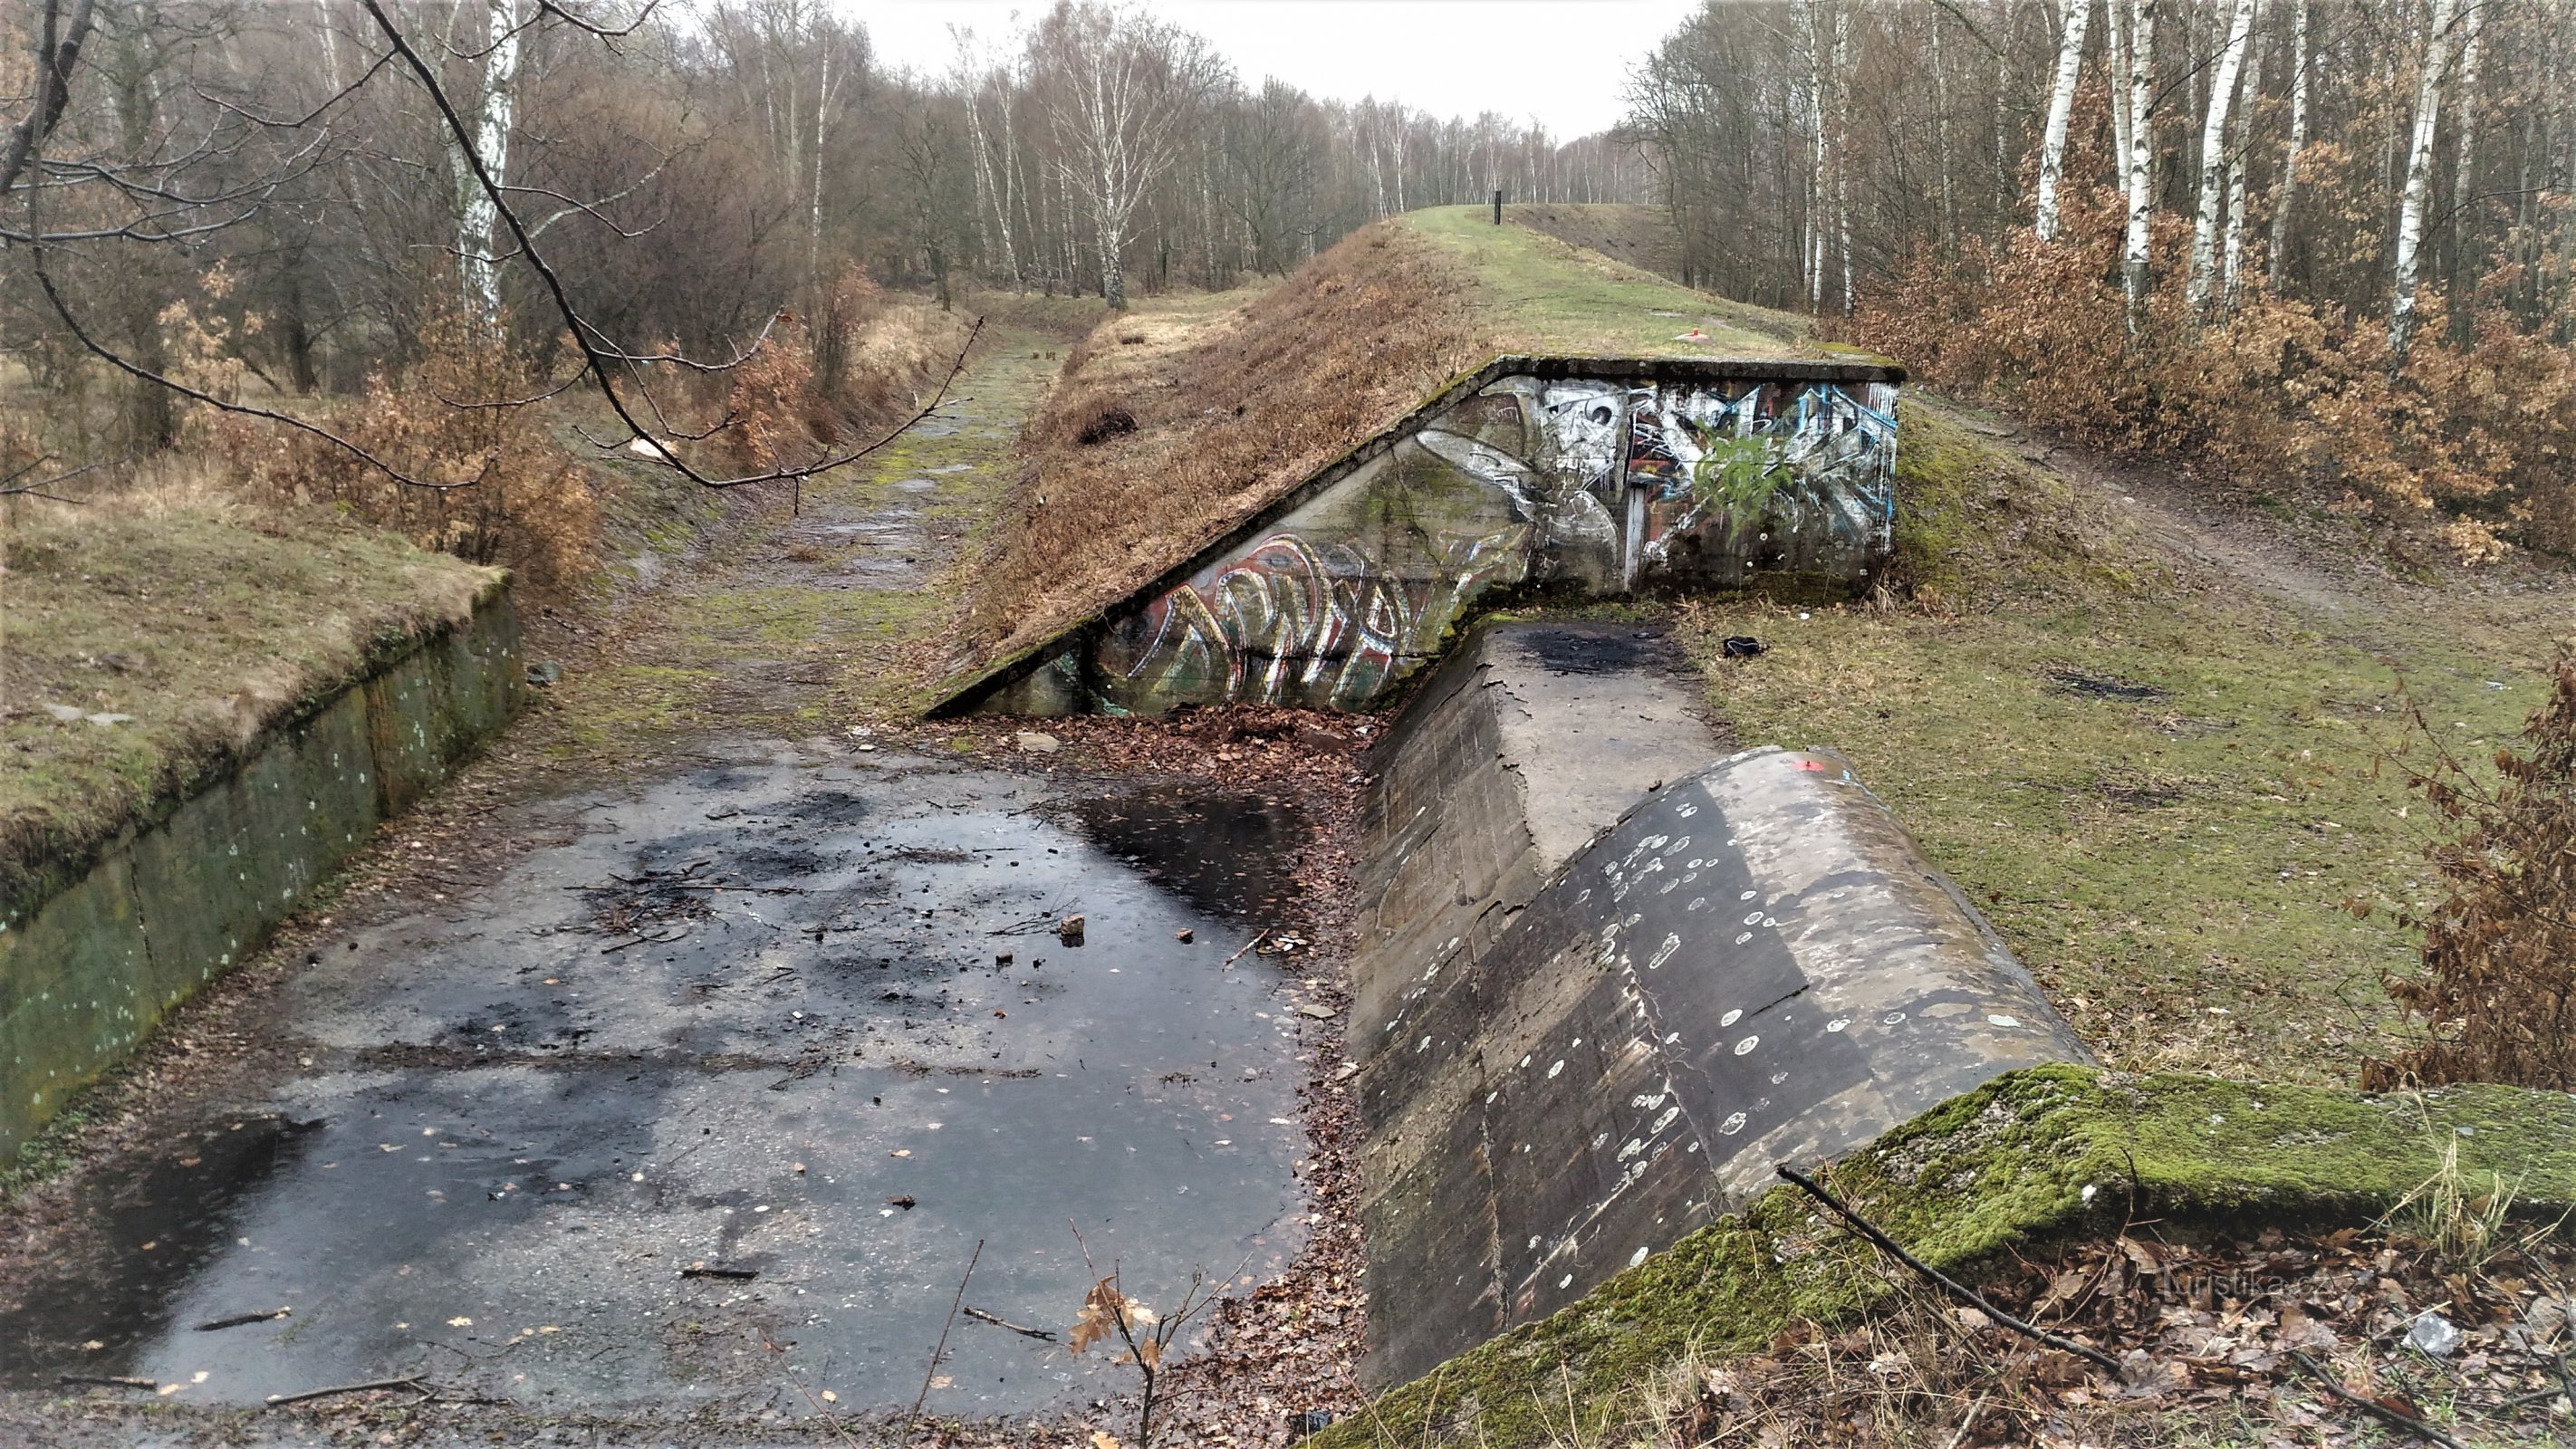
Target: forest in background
x,y
695,173
2327,242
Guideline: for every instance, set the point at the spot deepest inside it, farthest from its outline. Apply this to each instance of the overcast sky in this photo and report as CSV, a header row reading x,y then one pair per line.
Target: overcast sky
x,y
1563,61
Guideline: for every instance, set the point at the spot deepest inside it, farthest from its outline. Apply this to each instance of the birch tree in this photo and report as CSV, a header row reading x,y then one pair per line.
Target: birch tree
x,y
2232,267
2286,194
2141,157
2419,178
2213,158
1121,86
2464,165
477,213
2061,105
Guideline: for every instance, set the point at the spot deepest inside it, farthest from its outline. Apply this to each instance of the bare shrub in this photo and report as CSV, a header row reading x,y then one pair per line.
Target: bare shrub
x,y
1107,420
529,509
2498,991
2467,442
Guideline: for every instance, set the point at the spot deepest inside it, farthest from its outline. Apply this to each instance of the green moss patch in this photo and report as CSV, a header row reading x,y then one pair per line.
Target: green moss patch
x,y
2034,1157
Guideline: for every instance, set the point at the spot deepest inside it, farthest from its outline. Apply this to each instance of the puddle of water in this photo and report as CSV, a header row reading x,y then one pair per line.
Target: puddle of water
x,y
529,1117
1228,853
916,485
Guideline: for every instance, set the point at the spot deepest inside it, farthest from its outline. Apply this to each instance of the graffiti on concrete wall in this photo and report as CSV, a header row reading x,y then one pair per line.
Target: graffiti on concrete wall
x,y
1597,485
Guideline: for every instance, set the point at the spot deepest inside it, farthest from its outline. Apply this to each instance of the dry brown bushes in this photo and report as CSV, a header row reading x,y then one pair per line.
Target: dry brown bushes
x,y
2499,983
1220,418
856,365
2470,443
530,509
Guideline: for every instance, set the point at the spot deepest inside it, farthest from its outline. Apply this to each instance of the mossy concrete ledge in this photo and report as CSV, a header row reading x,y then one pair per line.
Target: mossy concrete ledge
x,y
178,898
2046,1154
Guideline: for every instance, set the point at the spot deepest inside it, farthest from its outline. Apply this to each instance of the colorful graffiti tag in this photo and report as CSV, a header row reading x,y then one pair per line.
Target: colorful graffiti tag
x,y
1600,485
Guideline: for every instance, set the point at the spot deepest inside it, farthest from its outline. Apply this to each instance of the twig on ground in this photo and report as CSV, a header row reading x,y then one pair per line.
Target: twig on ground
x,y
1968,1423
409,1381
1887,1245
1248,945
998,1321
238,1319
941,1350
703,1270
106,1381
2372,1407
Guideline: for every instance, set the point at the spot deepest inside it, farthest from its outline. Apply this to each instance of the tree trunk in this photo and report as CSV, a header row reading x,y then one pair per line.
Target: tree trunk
x,y
2278,263
2061,105
2213,159
478,211
2142,135
2463,195
2232,288
2419,180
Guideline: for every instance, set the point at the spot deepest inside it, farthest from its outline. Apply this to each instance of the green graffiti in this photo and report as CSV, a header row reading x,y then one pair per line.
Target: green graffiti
x,y
1738,475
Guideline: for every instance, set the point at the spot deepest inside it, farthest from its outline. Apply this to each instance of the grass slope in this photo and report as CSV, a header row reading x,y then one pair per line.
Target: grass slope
x,y
1176,420
203,623
2174,867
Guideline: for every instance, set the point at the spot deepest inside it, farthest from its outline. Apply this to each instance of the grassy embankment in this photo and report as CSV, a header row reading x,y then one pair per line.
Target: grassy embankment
x,y
2162,781
2174,865
151,634
2162,777
1177,419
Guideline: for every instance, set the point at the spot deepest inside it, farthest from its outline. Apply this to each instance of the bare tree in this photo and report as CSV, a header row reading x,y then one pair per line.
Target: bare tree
x,y
2213,158
1118,87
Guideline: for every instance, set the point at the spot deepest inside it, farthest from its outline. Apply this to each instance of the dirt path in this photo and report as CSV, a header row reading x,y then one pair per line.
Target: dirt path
x,y
693,973
2333,569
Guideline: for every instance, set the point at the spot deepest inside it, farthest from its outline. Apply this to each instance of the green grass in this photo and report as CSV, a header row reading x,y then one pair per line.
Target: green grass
x,y
2172,868
202,622
771,631
1545,297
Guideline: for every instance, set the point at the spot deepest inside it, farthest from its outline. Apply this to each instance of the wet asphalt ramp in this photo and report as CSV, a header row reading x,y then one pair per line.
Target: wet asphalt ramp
x,y
1614,975
752,1018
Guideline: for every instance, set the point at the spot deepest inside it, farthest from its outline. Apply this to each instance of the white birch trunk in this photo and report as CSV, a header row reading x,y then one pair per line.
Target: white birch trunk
x,y
2232,270
2276,266
2061,105
1842,160
2419,179
2142,92
2115,67
2213,158
478,212
822,121
1941,140
2464,167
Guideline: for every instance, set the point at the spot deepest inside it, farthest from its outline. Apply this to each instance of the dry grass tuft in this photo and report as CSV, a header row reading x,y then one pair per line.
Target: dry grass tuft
x,y
1225,408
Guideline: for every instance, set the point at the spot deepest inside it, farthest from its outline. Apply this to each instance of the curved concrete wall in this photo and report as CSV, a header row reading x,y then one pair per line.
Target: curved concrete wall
x,y
1592,475
89,970
1569,1060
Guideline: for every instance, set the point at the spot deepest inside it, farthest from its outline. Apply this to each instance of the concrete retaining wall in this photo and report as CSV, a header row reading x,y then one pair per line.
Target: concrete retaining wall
x,y
1609,980
88,971
1593,476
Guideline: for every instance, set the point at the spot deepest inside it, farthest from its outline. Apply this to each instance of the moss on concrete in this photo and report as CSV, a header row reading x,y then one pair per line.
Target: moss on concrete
x,y
2034,1157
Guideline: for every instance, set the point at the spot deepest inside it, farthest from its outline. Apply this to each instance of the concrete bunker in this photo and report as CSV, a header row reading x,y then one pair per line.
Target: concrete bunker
x,y
1589,476
1585,1030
